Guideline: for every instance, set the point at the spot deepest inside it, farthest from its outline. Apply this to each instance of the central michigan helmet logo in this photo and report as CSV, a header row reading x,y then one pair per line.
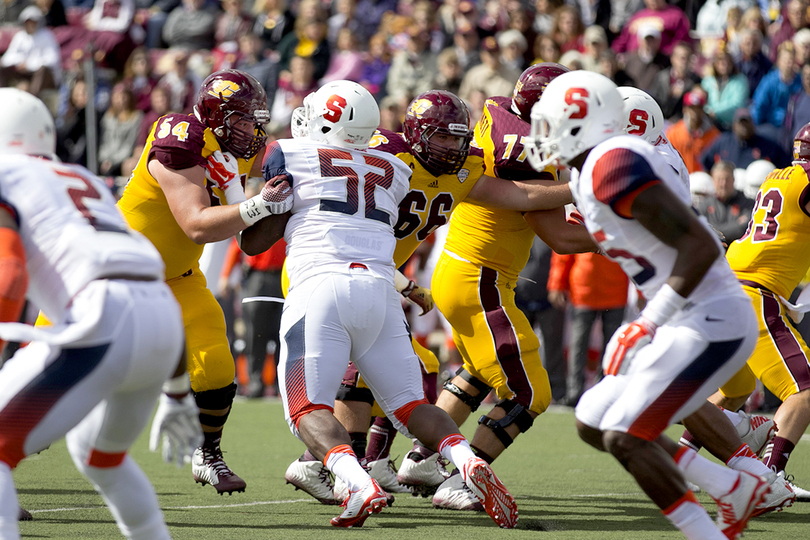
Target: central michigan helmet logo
x,y
223,89
419,107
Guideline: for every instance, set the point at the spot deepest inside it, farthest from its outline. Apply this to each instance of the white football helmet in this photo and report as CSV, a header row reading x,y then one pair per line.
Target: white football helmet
x,y
299,125
26,125
643,115
342,113
577,111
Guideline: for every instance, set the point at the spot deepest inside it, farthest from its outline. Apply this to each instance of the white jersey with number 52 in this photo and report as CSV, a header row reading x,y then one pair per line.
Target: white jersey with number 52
x,y
346,204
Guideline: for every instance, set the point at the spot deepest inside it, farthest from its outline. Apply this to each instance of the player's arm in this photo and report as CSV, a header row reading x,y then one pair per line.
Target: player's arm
x,y
262,235
559,234
190,204
672,222
520,196
13,275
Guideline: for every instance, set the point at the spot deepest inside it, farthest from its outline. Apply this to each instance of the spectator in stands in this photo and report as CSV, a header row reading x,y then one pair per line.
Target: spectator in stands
x,y
620,13
466,44
307,39
370,12
346,62
672,83
801,46
345,17
54,12
795,18
645,62
273,22
181,82
231,24
770,100
450,73
120,126
159,105
71,128
412,69
594,43
292,89
10,11
191,25
568,29
694,132
751,61
490,77
33,60
140,78
158,13
798,109
391,114
544,15
742,146
512,45
546,49
494,19
520,20
251,60
729,210
609,67
596,288
376,64
727,90
425,21
670,20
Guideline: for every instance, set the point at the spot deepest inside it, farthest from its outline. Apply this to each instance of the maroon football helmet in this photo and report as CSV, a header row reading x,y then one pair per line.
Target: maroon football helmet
x,y
530,86
226,97
801,145
437,111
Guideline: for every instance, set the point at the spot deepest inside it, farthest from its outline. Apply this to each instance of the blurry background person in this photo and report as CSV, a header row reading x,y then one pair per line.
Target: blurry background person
x,y
412,69
346,62
140,77
726,88
273,22
750,59
120,126
770,99
191,25
290,94
694,132
672,83
449,74
729,210
376,63
33,60
742,146
491,77
646,61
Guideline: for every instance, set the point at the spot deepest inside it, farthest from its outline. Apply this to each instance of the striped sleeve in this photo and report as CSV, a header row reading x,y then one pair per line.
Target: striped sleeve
x,y
619,176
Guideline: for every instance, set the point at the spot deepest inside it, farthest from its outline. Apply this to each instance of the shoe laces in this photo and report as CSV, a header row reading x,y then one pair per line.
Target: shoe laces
x,y
323,476
212,457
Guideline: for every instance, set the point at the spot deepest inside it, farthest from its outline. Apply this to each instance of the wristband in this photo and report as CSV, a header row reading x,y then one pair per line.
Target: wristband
x,y
253,209
178,386
403,284
663,305
234,194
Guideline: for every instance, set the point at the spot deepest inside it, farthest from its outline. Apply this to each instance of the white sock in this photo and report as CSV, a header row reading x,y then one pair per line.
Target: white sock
x,y
714,479
456,448
733,416
692,519
745,460
9,506
342,461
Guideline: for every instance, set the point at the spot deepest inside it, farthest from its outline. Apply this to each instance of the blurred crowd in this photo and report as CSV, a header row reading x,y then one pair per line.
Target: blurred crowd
x,y
732,76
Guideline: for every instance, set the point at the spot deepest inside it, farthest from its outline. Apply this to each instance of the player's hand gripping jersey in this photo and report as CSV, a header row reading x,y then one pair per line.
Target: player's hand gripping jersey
x,y
178,142
497,238
71,233
345,207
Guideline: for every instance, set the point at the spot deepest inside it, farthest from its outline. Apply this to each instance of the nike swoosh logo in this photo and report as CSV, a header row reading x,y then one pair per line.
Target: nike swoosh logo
x,y
712,319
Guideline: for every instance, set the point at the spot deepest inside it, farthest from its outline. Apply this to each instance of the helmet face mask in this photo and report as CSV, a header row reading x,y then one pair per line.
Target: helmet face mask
x,y
530,86
643,114
577,111
340,113
435,113
227,98
801,145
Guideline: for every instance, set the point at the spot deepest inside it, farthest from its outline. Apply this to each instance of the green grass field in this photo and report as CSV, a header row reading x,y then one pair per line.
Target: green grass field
x,y
564,490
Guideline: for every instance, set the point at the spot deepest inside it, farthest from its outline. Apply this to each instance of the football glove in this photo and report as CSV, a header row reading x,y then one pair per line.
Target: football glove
x,y
277,194
420,296
624,345
222,169
177,425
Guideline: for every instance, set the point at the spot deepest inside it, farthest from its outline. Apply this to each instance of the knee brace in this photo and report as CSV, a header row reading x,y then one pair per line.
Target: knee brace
x,y
220,399
473,401
515,414
354,393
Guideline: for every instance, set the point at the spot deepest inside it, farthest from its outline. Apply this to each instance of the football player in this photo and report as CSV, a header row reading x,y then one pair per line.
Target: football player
x,y
770,267
341,303
190,167
117,334
735,438
662,366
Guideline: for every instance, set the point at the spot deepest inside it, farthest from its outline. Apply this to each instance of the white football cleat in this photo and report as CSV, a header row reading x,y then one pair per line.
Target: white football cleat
x,y
370,499
453,494
802,495
738,505
497,501
312,477
341,492
209,467
780,497
385,473
756,431
424,475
